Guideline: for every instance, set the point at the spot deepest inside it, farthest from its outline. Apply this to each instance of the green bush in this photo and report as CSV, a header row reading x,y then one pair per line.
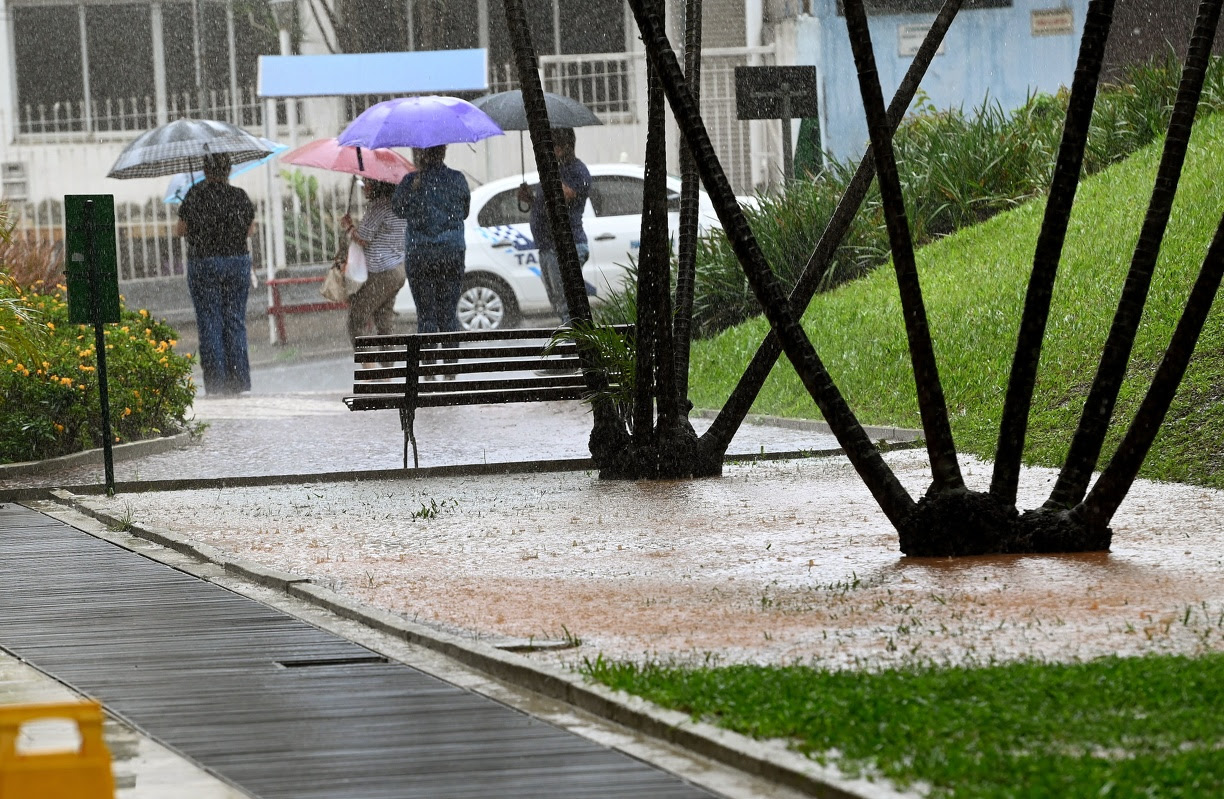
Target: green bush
x,y
957,169
49,403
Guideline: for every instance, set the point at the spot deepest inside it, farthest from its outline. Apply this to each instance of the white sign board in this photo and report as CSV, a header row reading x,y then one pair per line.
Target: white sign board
x,y
1051,22
910,38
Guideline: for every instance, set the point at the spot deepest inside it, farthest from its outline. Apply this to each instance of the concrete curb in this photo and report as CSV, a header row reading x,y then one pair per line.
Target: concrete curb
x,y
877,433
120,452
769,760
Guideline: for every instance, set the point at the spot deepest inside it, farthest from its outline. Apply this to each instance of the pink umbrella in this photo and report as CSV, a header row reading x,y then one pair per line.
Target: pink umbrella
x,y
384,165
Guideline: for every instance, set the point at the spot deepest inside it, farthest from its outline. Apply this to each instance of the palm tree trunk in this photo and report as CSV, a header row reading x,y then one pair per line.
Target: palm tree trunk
x,y
1098,408
879,479
931,405
653,262
609,435
718,436
1023,377
690,187
1115,481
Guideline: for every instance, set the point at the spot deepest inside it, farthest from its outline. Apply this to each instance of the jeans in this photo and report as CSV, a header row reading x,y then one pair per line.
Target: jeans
x,y
436,282
219,286
550,270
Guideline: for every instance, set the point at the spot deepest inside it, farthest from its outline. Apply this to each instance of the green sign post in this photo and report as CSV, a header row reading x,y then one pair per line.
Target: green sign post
x,y
93,288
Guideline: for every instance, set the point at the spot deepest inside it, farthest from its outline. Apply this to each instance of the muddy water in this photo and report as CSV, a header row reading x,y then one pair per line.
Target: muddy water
x,y
774,562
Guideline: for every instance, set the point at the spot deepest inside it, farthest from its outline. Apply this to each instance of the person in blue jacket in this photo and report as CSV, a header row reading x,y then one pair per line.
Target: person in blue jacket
x,y
434,202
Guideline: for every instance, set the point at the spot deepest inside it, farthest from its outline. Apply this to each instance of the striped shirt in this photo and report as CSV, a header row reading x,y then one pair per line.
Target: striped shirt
x,y
383,233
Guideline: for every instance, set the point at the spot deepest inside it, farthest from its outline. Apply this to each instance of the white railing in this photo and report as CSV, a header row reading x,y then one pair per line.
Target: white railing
x,y
604,82
149,250
66,121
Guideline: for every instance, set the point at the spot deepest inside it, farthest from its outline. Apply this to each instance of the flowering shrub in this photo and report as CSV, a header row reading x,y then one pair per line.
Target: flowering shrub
x,y
49,403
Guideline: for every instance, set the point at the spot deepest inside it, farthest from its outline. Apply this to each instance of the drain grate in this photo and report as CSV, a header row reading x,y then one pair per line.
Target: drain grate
x,y
349,661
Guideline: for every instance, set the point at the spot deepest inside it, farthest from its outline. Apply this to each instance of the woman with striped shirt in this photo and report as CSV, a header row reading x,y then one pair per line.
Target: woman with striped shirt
x,y
381,236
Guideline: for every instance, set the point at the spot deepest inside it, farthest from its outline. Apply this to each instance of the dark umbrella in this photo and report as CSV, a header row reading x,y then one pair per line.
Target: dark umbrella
x,y
506,109
180,146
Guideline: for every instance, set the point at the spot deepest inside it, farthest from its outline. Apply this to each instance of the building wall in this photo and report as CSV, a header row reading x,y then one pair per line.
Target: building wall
x,y
988,53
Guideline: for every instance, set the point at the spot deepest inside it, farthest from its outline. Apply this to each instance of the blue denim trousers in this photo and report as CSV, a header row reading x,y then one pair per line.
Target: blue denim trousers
x,y
219,286
550,270
435,282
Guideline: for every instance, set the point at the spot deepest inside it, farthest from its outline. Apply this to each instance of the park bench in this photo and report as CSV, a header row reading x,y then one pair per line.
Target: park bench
x,y
487,367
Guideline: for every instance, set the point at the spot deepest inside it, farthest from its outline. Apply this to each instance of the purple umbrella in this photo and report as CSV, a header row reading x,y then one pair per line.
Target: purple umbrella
x,y
419,122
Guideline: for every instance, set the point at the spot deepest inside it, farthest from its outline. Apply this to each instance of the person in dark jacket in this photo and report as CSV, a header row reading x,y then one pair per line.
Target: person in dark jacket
x,y
434,203
217,220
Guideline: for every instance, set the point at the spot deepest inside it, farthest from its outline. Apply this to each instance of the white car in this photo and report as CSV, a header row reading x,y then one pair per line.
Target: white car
x,y
502,282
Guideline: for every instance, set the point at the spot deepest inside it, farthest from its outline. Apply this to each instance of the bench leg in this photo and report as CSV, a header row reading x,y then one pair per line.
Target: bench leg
x,y
406,419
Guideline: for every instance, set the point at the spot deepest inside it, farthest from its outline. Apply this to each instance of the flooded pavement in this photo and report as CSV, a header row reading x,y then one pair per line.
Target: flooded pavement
x,y
775,561
315,433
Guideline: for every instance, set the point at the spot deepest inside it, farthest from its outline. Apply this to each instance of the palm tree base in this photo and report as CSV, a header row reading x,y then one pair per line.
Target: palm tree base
x,y
960,523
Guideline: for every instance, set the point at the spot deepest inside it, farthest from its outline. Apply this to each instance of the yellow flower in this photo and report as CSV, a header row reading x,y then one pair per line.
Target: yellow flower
x,y
127,411
125,329
144,313
85,368
46,365
173,342
148,331
50,325
136,393
59,428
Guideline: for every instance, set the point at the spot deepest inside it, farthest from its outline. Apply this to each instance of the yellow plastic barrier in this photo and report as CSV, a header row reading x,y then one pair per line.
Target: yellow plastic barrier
x,y
84,774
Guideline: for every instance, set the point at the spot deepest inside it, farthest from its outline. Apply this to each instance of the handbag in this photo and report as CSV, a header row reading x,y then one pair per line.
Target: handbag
x,y
333,287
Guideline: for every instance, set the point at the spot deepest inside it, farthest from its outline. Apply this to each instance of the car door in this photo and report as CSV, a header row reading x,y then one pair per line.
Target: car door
x,y
507,249
614,235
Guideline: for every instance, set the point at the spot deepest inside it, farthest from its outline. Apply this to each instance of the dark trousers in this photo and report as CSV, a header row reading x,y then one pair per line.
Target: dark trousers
x,y
219,288
436,282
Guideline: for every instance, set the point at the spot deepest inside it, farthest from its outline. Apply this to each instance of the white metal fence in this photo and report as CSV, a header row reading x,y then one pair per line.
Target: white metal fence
x,y
604,82
149,250
45,124
610,83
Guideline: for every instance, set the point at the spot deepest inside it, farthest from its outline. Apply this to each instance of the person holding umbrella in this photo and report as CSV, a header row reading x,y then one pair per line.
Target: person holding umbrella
x,y
381,236
434,202
576,184
217,219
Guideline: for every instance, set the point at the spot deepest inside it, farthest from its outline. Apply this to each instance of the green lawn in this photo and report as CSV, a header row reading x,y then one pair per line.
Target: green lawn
x,y
1136,727
973,283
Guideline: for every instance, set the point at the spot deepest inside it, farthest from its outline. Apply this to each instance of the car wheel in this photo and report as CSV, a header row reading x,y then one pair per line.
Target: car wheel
x,y
486,303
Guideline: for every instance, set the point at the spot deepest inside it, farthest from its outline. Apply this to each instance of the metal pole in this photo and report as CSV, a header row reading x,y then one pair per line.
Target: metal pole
x,y
197,47
85,84
273,232
235,106
95,297
160,96
788,165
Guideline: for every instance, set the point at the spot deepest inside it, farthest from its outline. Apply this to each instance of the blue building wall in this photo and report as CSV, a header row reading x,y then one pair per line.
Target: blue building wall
x,y
987,53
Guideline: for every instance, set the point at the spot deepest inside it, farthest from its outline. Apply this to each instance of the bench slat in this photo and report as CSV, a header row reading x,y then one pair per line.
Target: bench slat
x,y
426,339
491,384
466,353
466,368
394,401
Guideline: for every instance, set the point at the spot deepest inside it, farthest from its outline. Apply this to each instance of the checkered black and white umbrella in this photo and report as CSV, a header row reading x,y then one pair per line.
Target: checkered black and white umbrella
x,y
180,146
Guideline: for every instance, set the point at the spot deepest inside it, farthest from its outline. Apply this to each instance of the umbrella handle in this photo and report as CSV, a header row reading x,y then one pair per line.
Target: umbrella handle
x,y
348,209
